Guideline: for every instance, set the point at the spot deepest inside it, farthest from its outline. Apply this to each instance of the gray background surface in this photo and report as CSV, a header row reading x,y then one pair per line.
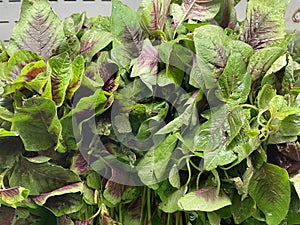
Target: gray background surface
x,y
10,10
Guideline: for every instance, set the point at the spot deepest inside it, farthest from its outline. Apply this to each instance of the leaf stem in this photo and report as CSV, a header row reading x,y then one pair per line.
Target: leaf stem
x,y
144,200
189,171
149,206
120,213
249,106
169,219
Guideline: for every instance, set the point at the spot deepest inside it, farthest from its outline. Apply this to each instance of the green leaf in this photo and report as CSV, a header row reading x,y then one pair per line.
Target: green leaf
x,y
177,58
154,165
41,177
204,199
91,104
296,182
174,177
234,82
270,189
170,205
264,96
279,108
59,69
290,126
216,135
3,53
214,218
151,125
40,115
11,150
39,29
219,157
73,24
242,209
93,41
5,133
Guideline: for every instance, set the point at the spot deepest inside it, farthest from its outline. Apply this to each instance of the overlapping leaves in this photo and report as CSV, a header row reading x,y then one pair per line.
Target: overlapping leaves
x,y
199,108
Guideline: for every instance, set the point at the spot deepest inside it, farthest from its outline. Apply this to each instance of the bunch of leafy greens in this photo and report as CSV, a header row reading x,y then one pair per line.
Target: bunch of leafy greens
x,y
206,109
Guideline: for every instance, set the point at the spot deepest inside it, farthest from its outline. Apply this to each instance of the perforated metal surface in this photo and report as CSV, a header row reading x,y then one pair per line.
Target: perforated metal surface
x,y
10,11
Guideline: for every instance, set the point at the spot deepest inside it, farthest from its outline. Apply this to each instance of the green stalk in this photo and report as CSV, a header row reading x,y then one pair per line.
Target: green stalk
x,y
149,206
169,219
181,219
120,213
143,220
177,218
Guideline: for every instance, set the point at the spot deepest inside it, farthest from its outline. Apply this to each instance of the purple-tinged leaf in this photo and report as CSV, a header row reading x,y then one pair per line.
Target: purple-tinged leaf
x,y
64,220
59,68
64,204
32,70
72,188
39,30
107,71
127,32
261,61
108,74
79,164
147,62
133,215
149,12
270,189
264,26
93,41
290,150
105,217
14,195
132,40
114,191
76,78
89,220
33,76
123,19
18,61
227,15
204,199
92,77
153,14
41,177
6,215
84,222
199,9
211,43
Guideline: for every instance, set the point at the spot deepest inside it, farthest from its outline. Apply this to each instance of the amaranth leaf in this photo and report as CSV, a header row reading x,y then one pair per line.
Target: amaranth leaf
x,y
38,30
